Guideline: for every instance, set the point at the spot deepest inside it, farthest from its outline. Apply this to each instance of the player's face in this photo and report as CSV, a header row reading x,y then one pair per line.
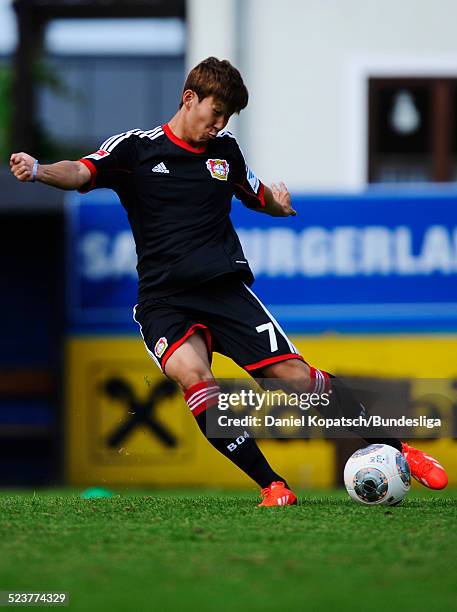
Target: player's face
x,y
206,118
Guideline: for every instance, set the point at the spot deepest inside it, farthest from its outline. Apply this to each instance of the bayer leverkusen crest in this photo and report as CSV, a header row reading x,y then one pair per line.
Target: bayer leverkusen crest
x,y
218,168
160,347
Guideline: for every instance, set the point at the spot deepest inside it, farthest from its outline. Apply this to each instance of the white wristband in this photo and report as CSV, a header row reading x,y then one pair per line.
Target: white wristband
x,y
34,171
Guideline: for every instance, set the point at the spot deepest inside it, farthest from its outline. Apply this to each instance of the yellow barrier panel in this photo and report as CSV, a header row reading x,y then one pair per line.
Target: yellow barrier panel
x,y
125,425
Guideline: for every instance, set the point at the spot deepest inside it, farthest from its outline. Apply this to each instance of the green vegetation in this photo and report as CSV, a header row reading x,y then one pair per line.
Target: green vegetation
x,y
5,113
218,551
48,147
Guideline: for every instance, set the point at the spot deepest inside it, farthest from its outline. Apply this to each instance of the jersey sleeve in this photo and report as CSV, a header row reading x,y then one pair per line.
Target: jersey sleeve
x,y
112,163
248,188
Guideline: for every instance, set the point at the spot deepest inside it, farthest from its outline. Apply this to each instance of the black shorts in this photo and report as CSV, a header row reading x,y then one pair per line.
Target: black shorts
x,y
231,318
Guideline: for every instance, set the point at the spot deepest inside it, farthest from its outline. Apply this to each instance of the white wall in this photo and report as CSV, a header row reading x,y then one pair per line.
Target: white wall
x,y
211,30
306,62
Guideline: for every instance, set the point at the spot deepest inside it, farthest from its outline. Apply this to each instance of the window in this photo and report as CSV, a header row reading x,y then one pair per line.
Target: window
x,y
412,130
83,100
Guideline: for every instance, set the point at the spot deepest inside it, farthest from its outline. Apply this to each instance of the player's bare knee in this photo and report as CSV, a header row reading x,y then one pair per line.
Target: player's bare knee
x,y
185,375
294,372
189,364
191,379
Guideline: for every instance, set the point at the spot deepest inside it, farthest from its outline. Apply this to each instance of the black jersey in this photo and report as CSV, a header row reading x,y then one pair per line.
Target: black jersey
x,y
178,201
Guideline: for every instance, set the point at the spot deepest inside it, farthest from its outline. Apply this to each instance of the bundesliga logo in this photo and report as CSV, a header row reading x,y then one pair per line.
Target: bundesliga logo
x,y
98,155
218,168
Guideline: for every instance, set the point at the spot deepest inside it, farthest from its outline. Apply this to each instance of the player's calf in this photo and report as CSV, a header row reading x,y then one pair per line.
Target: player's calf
x,y
239,446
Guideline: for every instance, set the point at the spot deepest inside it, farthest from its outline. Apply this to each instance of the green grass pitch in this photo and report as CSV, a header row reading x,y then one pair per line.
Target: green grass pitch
x,y
212,551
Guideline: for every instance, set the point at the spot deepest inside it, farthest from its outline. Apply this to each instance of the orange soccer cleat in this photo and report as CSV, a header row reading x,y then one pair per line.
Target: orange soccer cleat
x,y
424,468
277,494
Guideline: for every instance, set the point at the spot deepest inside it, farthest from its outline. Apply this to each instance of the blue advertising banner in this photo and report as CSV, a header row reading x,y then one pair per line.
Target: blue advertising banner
x,y
380,261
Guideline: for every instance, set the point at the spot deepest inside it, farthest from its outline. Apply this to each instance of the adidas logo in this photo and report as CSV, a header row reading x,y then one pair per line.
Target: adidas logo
x,y
161,168
282,501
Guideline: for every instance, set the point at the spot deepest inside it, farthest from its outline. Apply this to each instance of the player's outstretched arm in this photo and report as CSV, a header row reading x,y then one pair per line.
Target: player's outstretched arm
x,y
63,174
277,201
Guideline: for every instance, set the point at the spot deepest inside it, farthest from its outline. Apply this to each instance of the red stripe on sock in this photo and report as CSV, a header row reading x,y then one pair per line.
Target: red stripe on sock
x,y
204,384
328,381
203,403
320,380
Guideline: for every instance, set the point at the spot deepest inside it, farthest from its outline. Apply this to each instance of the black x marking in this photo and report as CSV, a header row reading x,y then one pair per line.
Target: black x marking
x,y
139,412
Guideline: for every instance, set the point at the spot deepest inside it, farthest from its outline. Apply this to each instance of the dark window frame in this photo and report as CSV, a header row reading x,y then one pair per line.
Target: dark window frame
x,y
442,122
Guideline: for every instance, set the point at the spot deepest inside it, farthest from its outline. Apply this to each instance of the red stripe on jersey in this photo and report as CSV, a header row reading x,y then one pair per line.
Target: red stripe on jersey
x,y
192,329
93,173
270,360
260,196
182,143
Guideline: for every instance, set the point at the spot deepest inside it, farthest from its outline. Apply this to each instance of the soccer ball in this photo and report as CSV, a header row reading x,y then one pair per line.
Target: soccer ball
x,y
377,475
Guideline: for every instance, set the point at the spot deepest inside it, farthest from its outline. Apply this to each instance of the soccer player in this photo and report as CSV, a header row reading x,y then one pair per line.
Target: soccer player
x,y
176,184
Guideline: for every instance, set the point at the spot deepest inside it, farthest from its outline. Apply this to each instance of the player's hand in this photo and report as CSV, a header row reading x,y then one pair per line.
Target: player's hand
x,y
21,165
282,196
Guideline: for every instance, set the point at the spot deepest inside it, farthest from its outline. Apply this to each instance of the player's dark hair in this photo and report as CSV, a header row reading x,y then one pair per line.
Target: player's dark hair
x,y
218,78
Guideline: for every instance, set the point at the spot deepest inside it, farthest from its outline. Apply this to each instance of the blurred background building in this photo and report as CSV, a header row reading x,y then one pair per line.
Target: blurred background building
x,y
343,96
